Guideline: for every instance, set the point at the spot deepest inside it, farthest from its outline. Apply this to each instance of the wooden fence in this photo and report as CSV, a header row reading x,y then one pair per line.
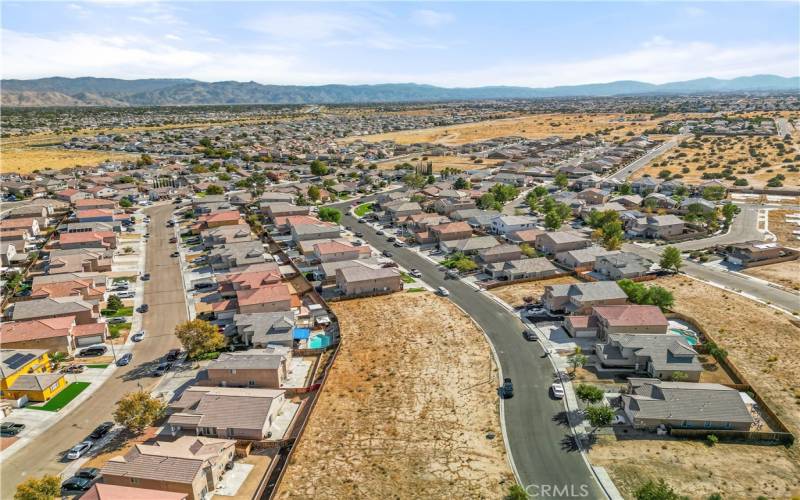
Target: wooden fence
x,y
750,436
495,284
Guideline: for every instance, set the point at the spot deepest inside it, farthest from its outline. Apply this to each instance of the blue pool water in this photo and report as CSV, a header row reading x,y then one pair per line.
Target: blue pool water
x,y
319,342
690,337
301,333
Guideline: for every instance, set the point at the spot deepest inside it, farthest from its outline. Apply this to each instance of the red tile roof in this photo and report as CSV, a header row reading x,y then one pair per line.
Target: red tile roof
x,y
89,329
631,315
266,294
19,331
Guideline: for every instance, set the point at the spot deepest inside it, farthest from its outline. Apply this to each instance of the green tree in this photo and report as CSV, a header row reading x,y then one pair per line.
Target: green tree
x,y
612,235
678,376
415,180
461,183
656,491
329,214
577,360
671,259
527,250
589,393
729,211
488,201
599,415
114,303
517,492
313,193
625,189
504,193
552,222
661,297
214,189
125,203
199,337
46,487
138,410
561,180
714,193
319,168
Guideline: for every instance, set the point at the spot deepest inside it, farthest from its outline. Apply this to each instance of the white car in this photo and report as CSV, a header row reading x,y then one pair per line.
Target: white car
x,y
443,291
138,337
126,295
415,273
79,449
558,390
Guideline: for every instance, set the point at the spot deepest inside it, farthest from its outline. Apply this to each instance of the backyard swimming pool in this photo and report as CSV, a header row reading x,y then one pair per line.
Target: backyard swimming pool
x,y
319,342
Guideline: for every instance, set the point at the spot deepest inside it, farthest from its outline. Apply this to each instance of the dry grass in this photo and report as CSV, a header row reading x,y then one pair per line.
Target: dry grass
x,y
26,160
530,126
442,162
405,411
692,468
783,229
513,294
784,273
713,154
762,342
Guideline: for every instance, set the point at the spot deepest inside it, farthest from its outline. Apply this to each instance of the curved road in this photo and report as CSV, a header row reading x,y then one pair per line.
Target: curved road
x,y
166,297
542,448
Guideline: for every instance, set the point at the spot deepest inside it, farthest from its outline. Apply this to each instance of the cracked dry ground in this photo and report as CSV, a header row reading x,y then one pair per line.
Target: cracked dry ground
x,y
406,409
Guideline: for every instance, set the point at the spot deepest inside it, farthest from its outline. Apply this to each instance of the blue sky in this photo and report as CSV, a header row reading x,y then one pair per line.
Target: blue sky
x,y
449,43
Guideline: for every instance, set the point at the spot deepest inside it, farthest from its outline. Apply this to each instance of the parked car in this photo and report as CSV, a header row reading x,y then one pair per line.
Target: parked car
x,y
174,254
173,240
173,354
399,244
101,430
390,239
558,390
145,276
95,350
348,228
118,319
443,291
73,369
203,286
8,429
387,253
89,472
79,449
359,234
379,232
76,484
143,308
529,335
138,336
507,389
126,295
415,273
161,369
362,220
124,359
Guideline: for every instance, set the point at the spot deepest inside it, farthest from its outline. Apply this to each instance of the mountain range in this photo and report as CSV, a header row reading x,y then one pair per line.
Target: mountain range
x,y
89,91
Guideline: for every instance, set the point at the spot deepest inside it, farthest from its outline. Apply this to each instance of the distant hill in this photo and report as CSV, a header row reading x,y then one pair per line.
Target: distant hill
x,y
87,91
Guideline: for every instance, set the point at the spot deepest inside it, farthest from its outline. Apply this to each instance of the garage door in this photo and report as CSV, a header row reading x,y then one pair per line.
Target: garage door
x,y
89,340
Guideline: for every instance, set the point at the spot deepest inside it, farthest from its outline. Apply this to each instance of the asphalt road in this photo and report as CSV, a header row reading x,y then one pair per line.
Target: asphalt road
x,y
166,297
743,228
542,447
632,167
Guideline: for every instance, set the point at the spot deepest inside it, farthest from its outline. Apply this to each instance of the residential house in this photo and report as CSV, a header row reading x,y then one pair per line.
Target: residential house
x,y
260,368
450,231
275,297
315,231
656,226
25,374
233,255
190,465
362,280
226,412
469,246
226,234
604,320
499,253
622,265
94,204
555,242
29,224
53,307
103,240
280,208
522,269
754,253
527,236
85,289
102,491
265,329
649,403
505,224
656,356
578,297
582,259
400,209
332,251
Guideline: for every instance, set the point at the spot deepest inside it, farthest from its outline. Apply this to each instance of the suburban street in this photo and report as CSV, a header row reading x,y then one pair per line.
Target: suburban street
x,y
632,167
166,297
542,448
743,228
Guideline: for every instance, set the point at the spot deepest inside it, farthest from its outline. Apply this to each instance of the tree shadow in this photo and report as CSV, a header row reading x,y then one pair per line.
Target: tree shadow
x,y
566,416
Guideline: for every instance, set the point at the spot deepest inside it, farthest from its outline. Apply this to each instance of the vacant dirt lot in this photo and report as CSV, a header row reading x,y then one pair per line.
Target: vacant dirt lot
x,y
26,160
513,294
442,162
782,229
784,273
405,411
531,127
756,159
735,471
764,343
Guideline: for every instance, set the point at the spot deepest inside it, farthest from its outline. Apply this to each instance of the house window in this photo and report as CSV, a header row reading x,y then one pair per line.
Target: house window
x,y
233,371
706,424
251,383
134,480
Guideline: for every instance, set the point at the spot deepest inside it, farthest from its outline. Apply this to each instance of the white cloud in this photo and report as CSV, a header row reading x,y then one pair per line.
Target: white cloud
x,y
170,36
431,18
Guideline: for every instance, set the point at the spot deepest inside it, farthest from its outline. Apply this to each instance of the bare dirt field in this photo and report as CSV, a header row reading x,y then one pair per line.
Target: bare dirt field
x,y
756,159
405,413
513,294
530,126
784,273
442,162
762,342
26,160
782,229
692,468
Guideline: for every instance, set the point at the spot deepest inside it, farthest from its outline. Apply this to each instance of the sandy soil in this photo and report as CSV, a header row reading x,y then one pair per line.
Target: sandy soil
x,y
405,412
513,294
762,342
735,471
784,273
442,162
25,160
783,229
531,127
714,154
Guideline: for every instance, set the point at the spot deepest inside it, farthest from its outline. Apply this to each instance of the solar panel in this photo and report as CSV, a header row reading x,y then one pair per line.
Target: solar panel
x,y
18,359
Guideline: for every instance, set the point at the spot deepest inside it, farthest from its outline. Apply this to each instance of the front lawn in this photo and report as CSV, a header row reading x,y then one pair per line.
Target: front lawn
x,y
361,210
406,278
115,329
97,366
129,279
122,311
63,398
